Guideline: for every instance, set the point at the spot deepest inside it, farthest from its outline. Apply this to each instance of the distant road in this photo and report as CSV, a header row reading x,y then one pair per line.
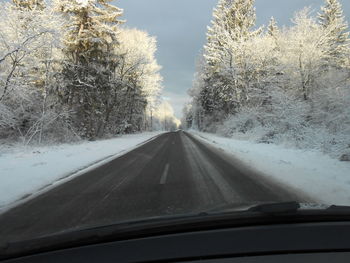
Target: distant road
x,y
172,174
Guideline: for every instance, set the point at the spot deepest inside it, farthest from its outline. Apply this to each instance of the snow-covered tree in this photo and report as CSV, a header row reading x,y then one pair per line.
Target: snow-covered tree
x,y
139,78
87,76
92,28
241,18
29,39
304,47
272,28
287,85
187,116
233,23
30,4
333,21
67,69
214,47
164,117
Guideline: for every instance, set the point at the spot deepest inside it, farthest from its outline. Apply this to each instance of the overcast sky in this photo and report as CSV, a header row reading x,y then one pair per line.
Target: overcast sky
x,y
180,28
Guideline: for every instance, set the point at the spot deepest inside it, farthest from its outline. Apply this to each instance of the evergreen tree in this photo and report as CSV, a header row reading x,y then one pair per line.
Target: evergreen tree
x,y
92,29
214,47
236,71
240,20
87,77
232,25
232,21
332,20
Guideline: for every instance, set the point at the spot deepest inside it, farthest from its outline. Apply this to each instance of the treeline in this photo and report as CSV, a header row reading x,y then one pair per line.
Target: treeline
x,y
68,70
275,85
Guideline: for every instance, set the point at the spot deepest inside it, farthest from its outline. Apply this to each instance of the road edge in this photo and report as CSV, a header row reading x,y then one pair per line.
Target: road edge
x,y
71,175
245,168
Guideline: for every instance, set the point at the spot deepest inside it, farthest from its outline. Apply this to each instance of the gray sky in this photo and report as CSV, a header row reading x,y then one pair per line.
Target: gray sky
x,y
180,28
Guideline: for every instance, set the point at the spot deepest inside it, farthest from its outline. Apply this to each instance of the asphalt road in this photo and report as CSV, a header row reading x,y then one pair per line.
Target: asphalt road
x,y
173,174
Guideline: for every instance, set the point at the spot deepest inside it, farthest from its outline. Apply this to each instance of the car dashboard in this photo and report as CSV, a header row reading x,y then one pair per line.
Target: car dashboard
x,y
297,242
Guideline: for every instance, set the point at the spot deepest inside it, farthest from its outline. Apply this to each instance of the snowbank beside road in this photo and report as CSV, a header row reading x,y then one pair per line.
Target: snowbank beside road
x,y
24,171
325,179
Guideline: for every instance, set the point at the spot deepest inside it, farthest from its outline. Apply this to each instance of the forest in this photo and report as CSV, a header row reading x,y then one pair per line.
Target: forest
x,y
283,85
72,70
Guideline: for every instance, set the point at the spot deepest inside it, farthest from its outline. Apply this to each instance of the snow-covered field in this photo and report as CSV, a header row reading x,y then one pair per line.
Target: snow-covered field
x,y
325,179
24,172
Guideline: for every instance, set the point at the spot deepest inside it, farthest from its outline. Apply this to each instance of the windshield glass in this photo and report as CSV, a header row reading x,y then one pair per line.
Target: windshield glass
x,y
119,111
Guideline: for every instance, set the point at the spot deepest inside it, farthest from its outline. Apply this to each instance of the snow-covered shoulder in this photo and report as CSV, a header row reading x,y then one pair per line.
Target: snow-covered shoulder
x,y
324,179
24,172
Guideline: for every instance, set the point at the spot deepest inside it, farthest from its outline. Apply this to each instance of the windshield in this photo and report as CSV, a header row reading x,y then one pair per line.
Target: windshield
x,y
123,111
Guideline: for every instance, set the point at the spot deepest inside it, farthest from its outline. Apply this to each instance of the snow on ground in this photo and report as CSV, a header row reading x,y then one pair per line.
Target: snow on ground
x,y
325,179
25,171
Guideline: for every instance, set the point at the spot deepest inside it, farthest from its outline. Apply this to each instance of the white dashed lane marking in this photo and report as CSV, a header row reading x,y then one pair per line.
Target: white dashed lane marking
x,y
165,174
